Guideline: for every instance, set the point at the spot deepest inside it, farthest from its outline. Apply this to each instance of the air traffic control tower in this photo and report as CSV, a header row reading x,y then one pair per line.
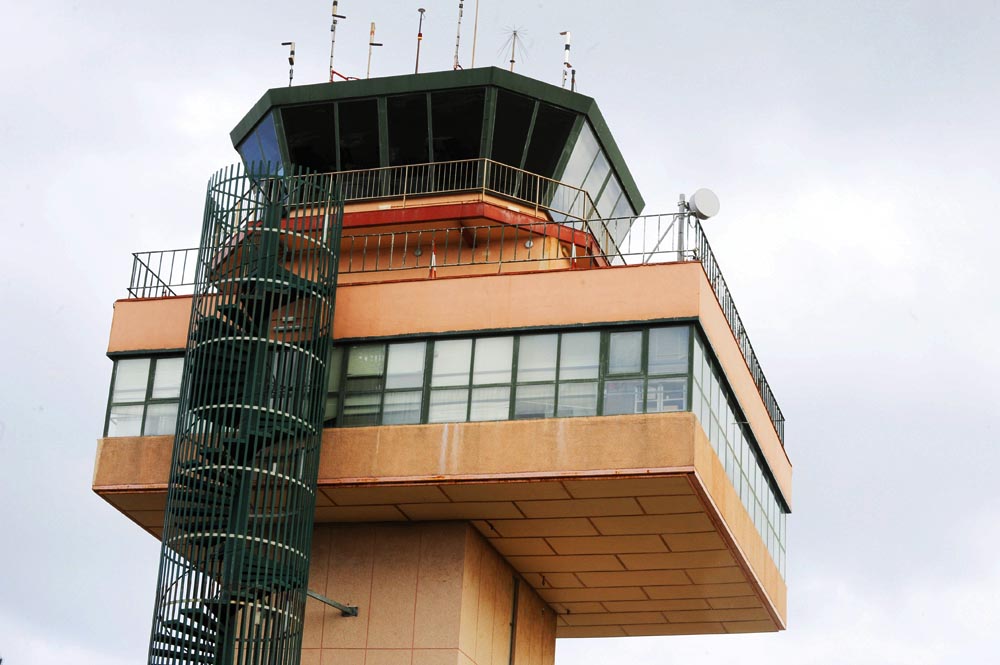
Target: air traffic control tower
x,y
431,391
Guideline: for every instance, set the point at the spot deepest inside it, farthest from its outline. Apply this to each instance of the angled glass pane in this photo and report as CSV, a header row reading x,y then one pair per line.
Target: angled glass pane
x,y
125,420
452,361
536,357
131,378
406,116
622,397
668,350
494,358
581,158
625,353
167,378
269,143
535,401
406,365
359,138
448,406
309,133
160,419
578,398
580,355
457,116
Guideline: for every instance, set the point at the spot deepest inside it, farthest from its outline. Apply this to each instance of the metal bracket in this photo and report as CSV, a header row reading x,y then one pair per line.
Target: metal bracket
x,y
345,610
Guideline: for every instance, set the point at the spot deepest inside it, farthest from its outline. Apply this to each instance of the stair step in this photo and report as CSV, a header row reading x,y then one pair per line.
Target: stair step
x,y
182,656
195,631
202,617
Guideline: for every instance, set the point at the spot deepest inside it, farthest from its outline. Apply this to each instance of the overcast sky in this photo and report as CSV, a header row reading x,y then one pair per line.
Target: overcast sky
x,y
854,147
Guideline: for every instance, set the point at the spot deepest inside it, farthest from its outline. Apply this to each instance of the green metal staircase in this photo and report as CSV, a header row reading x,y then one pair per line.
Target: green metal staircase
x,y
238,524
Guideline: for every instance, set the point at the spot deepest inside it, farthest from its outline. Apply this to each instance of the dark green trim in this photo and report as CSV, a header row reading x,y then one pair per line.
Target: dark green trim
x,y
531,132
489,117
279,131
336,133
430,128
449,80
574,136
383,131
494,332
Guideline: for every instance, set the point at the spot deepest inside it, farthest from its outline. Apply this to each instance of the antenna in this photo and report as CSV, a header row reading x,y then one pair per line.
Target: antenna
x,y
291,61
333,35
458,34
572,83
566,64
475,33
371,43
514,46
420,38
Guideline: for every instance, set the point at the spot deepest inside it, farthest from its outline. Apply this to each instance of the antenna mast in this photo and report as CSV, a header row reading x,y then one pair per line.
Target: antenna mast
x,y
513,46
566,64
475,33
458,34
371,43
291,61
333,35
420,38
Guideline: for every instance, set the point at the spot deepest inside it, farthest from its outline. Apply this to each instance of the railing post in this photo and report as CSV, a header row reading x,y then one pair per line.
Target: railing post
x,y
682,218
406,179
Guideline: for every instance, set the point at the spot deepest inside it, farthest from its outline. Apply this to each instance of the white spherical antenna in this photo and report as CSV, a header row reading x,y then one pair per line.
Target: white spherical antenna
x,y
704,204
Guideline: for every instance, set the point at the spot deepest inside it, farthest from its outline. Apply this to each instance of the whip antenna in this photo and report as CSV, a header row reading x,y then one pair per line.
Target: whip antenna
x,y
475,33
291,61
333,35
458,34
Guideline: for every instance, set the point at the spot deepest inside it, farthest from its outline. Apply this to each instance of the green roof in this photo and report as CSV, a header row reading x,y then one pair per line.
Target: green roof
x,y
447,80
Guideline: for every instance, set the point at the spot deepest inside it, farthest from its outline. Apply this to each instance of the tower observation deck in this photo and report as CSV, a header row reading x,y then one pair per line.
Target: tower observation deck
x,y
431,388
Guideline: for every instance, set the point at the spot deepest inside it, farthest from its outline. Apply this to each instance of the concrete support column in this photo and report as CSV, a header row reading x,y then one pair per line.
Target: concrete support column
x,y
433,593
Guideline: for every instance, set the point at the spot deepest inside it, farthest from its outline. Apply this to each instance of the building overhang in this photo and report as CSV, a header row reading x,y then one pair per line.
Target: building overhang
x,y
620,539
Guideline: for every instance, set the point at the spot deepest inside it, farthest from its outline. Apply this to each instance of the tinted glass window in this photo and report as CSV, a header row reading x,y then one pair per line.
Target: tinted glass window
x,y
582,157
510,130
407,118
548,138
359,146
269,141
309,131
457,116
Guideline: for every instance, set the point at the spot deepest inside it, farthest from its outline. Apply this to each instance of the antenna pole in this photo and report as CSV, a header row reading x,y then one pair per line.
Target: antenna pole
x,y
420,38
682,220
513,45
333,35
371,43
566,64
458,34
291,61
572,82
475,34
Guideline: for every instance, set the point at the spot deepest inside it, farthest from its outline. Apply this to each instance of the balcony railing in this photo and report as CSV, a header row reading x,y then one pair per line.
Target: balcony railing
x,y
498,248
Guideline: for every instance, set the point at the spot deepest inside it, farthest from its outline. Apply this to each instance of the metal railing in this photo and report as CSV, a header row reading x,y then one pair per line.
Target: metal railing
x,y
535,245
407,184
568,230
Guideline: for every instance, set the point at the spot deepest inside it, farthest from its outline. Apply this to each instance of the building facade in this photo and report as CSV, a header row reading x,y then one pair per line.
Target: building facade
x,y
429,365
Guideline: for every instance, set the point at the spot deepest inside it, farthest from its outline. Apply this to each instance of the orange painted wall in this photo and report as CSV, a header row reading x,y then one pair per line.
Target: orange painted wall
x,y
427,594
556,298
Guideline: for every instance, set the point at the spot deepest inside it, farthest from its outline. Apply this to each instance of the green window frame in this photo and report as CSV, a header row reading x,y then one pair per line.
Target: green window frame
x,y
144,396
